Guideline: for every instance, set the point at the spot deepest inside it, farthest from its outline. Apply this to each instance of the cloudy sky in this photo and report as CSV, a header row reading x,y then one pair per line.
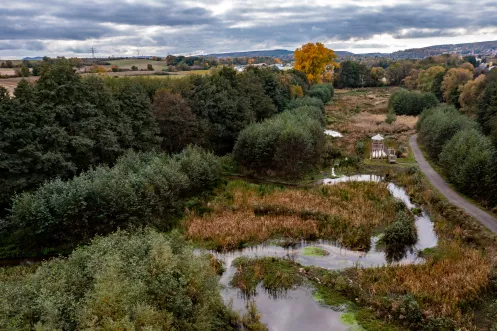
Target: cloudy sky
x,y
161,27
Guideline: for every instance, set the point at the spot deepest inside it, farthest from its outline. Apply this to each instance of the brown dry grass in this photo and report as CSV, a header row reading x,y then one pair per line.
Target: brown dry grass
x,y
11,83
375,123
441,285
243,215
372,104
374,100
228,230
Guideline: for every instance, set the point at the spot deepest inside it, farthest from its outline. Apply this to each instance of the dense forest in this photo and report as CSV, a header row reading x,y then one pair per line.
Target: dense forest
x,y
84,156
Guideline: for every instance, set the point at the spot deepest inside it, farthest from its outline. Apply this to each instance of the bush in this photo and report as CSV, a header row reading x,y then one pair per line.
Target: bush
x,y
296,91
360,148
288,144
322,92
390,118
437,126
469,160
144,281
311,111
404,102
306,101
399,236
141,189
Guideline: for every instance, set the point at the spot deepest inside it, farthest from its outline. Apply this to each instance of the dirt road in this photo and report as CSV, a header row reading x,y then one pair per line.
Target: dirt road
x,y
455,198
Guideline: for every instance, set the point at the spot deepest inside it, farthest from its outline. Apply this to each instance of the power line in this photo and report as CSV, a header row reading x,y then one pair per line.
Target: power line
x,y
93,51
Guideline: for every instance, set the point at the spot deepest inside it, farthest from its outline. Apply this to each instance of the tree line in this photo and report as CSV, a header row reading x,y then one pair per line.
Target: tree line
x,y
65,124
468,157
82,156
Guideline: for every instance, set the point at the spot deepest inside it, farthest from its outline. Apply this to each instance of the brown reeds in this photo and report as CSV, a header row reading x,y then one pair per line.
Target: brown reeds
x,y
442,285
348,212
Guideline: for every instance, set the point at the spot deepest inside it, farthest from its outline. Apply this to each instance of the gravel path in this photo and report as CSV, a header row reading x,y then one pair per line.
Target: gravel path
x,y
455,198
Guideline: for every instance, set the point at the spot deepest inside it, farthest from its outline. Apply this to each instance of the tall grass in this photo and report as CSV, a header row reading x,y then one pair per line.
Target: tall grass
x,y
244,213
447,283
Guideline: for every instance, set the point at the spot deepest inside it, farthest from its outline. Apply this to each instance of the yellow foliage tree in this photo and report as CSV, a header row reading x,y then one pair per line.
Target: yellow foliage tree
x,y
453,79
278,61
315,60
378,74
251,61
427,77
470,93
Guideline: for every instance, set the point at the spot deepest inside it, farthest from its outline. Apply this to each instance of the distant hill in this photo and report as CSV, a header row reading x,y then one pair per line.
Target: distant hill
x,y
279,53
36,58
486,48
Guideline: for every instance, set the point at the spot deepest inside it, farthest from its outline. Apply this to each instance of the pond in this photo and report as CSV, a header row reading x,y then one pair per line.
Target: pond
x,y
296,309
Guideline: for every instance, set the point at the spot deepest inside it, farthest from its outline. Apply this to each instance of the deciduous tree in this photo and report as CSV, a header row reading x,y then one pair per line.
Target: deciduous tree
x,y
470,93
427,77
453,80
314,60
178,125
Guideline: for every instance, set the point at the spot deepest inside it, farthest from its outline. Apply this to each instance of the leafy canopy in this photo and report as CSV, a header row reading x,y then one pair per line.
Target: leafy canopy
x,y
314,60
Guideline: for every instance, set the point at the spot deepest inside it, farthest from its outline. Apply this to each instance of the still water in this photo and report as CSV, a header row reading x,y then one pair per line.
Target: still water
x,y
296,309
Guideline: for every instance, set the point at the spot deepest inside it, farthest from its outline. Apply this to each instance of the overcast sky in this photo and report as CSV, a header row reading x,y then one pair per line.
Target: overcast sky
x,y
161,27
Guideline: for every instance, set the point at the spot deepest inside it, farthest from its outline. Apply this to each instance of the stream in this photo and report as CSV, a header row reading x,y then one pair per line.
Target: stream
x,y
296,309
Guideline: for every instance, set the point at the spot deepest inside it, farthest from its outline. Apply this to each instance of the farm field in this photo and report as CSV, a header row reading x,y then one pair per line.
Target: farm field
x,y
139,63
178,74
11,83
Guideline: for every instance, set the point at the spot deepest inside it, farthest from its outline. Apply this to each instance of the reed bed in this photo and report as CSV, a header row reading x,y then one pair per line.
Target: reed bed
x,y
276,275
441,286
231,230
245,213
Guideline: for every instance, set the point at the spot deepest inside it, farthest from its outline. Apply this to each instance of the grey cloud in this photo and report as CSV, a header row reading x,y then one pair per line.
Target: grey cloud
x,y
32,45
135,14
200,29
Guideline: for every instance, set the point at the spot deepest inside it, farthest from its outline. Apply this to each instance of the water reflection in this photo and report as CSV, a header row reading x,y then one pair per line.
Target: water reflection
x,y
296,309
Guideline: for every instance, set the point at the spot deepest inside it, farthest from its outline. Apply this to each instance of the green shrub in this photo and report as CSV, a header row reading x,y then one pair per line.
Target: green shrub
x,y
311,111
141,189
144,281
360,148
469,160
390,118
322,92
399,236
330,88
437,126
306,101
288,144
404,102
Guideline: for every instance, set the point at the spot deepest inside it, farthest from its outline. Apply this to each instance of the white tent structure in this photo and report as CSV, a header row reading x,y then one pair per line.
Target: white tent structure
x,y
378,137
378,150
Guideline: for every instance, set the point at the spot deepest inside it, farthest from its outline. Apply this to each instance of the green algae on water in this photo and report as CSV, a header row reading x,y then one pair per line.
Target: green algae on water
x,y
349,319
314,251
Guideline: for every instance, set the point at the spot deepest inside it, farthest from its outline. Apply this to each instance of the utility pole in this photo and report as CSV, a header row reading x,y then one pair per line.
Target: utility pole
x,y
93,50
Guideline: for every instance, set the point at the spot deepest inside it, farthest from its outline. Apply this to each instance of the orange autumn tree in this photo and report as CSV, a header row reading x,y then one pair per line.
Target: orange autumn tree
x,y
315,60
